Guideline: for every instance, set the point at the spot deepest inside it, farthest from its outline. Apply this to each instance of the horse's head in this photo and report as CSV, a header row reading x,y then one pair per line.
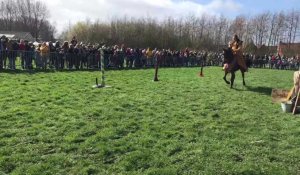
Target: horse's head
x,y
228,55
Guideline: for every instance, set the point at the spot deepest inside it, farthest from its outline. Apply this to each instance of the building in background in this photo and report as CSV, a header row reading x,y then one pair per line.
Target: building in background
x,y
288,49
17,35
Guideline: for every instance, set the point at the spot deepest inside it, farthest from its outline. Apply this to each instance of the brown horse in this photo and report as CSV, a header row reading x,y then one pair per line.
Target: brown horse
x,y
233,67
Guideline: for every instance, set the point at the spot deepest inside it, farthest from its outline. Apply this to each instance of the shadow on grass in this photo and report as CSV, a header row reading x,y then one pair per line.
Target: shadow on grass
x,y
259,89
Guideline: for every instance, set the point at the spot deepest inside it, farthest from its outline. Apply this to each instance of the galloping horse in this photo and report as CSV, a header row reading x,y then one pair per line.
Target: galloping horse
x,y
232,67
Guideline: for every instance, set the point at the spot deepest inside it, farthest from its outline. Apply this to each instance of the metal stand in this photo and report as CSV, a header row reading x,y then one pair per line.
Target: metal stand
x,y
102,85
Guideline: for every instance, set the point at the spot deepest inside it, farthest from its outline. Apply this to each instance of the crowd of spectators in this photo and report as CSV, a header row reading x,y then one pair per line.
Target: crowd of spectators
x,y
75,55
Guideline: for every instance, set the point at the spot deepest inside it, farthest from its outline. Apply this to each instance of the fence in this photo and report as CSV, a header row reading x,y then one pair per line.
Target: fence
x,y
53,60
27,60
91,60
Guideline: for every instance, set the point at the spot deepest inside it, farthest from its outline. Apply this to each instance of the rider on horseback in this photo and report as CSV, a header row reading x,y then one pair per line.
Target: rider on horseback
x,y
236,46
233,59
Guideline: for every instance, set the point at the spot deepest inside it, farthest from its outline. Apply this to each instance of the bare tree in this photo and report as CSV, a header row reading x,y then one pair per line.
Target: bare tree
x,y
279,28
25,15
296,26
201,32
261,28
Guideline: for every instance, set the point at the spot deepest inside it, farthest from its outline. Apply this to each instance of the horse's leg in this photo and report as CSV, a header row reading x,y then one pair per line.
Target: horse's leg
x,y
232,78
224,78
243,75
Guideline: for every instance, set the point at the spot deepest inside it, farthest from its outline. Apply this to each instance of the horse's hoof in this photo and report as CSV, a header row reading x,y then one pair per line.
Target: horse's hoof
x,y
227,82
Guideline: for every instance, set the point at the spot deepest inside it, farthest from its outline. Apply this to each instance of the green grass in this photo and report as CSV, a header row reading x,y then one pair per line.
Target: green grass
x,y
55,123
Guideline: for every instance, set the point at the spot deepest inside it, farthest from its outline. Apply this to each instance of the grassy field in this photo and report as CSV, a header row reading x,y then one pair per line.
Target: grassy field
x,y
55,123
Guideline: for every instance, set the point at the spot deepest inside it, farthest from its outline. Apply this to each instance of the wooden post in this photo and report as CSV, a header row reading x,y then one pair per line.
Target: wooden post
x,y
156,68
201,72
102,68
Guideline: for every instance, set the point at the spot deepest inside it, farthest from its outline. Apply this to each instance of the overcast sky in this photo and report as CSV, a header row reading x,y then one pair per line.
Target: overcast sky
x,y
65,12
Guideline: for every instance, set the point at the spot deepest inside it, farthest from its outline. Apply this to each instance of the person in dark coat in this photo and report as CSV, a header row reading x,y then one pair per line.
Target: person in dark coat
x,y
63,54
22,53
12,53
52,55
57,55
70,57
28,56
2,51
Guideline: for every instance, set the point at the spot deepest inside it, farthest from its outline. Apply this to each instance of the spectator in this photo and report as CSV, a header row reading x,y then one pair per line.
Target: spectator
x,y
149,55
2,51
57,54
52,55
63,54
22,53
74,41
44,50
70,57
27,56
38,59
12,53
